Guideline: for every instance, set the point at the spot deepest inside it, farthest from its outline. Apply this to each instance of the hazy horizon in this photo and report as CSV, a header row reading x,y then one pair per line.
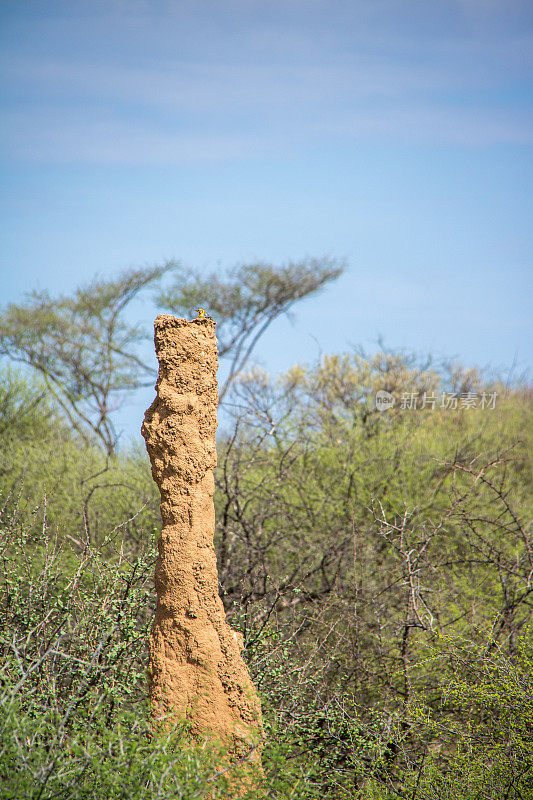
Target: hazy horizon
x,y
396,136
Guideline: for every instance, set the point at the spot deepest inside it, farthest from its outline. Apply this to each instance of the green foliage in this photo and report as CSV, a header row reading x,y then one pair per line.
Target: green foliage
x,y
119,762
246,300
74,721
378,564
46,469
85,350
358,537
82,347
24,410
477,729
470,736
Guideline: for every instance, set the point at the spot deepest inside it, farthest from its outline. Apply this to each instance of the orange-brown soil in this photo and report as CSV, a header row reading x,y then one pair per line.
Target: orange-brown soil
x,y
196,669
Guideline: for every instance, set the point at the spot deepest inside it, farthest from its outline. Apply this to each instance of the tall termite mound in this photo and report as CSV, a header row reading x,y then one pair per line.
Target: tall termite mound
x,y
196,669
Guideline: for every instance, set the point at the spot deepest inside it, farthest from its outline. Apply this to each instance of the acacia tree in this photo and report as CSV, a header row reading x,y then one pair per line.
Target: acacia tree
x,y
83,347
246,300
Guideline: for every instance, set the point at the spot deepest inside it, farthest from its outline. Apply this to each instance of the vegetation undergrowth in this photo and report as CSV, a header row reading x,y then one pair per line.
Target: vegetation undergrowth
x,y
379,565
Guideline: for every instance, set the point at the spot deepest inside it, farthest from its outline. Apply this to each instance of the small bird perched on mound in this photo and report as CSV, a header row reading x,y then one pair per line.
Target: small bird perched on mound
x,y
202,314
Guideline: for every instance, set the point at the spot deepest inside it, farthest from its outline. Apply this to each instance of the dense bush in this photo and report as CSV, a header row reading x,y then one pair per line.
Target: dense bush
x,y
378,564
74,630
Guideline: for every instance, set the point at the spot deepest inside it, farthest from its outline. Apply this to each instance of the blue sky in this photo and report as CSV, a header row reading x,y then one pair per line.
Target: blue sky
x,y
396,134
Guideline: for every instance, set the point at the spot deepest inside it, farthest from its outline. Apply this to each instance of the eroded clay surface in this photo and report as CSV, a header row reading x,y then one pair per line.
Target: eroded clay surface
x,y
196,668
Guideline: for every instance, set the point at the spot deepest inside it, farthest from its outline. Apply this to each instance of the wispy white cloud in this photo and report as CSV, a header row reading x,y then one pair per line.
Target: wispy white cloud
x,y
438,124
198,87
114,143
45,137
286,86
